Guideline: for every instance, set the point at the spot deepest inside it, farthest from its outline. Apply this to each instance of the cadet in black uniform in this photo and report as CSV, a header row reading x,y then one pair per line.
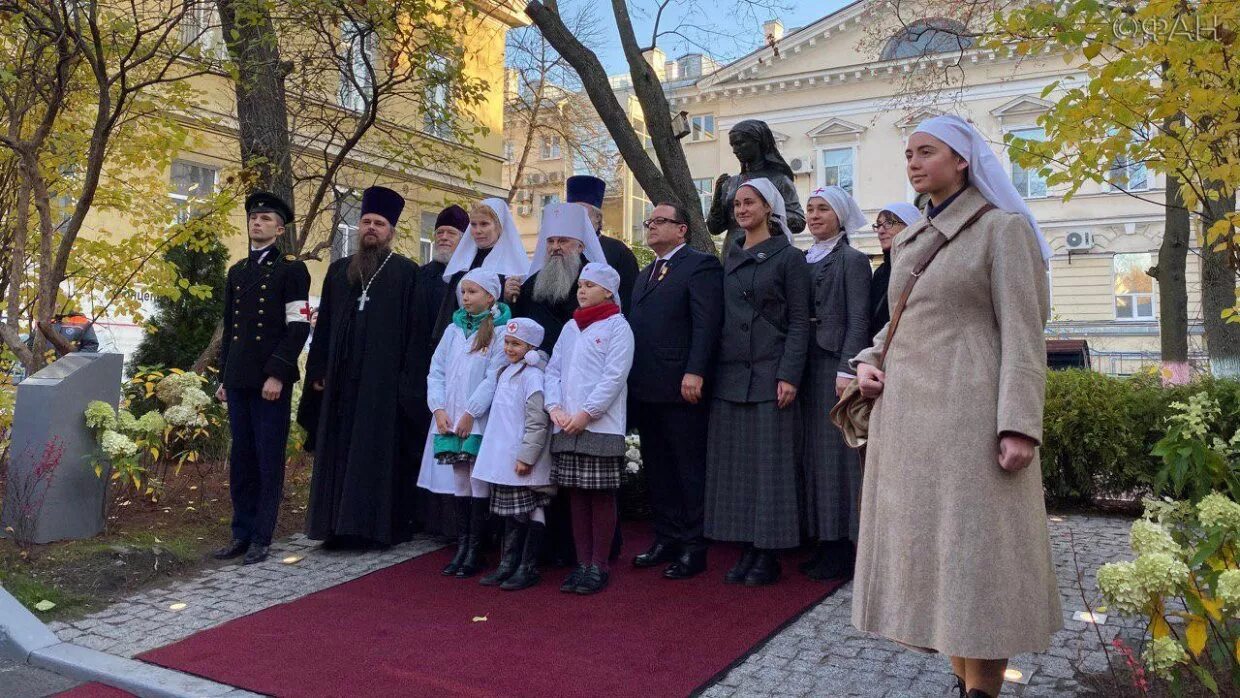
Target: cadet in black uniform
x,y
266,323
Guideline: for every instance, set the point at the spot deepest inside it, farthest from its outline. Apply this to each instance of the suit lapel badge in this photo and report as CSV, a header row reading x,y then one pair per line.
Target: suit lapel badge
x,y
663,271
761,256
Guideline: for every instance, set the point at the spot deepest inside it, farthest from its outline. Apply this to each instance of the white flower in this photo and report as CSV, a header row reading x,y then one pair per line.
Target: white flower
x,y
184,416
152,423
126,422
195,398
100,415
1149,537
1160,574
1228,589
171,387
1118,583
117,445
1162,654
633,454
1217,511
632,467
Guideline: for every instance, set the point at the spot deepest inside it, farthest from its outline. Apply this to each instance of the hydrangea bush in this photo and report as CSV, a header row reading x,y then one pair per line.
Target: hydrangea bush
x,y
1185,571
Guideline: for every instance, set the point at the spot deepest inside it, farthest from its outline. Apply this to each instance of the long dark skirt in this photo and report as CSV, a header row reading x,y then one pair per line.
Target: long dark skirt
x,y
752,487
832,469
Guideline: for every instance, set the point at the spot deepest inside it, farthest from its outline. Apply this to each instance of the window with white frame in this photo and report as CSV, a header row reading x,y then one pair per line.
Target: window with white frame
x,y
706,192
548,199
347,217
435,114
702,127
1127,174
551,148
510,151
1029,182
1134,288
837,168
357,75
426,241
190,181
200,28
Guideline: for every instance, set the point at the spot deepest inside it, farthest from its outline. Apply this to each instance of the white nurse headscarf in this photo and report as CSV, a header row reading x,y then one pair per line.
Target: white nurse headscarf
x,y
773,199
507,257
986,172
852,220
566,221
906,212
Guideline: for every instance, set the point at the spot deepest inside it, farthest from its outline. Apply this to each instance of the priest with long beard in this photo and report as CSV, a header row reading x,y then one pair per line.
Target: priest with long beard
x,y
363,360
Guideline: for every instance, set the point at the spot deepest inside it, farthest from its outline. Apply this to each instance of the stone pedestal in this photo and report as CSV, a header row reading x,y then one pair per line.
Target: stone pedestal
x,y
67,503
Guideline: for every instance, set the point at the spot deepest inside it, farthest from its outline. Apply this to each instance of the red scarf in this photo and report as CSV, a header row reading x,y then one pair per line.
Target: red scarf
x,y
588,316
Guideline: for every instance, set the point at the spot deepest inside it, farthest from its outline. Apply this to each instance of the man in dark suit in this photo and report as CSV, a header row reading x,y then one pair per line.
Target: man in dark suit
x,y
676,316
266,323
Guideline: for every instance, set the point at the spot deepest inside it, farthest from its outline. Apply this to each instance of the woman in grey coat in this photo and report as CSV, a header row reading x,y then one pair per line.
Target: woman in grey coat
x,y
840,325
751,479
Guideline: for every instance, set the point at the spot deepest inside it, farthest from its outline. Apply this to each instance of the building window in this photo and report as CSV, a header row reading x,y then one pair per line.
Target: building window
x,y
1134,289
550,149
347,217
1127,174
436,117
926,37
837,169
426,242
510,151
357,75
548,199
706,192
702,127
1029,183
200,27
190,181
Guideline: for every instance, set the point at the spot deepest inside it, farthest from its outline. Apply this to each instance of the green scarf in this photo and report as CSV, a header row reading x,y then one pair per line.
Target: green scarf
x,y
469,323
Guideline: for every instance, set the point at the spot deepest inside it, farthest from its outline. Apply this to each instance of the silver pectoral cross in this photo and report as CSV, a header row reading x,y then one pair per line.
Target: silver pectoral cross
x,y
361,301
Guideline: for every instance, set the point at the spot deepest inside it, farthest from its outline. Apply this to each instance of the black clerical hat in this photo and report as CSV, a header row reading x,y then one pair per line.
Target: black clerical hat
x,y
454,216
384,202
266,202
585,189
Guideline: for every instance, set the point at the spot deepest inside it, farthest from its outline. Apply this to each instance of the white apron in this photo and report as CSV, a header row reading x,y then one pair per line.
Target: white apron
x,y
497,460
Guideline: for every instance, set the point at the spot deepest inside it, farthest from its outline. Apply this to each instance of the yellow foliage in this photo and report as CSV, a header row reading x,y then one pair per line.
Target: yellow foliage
x,y
1196,635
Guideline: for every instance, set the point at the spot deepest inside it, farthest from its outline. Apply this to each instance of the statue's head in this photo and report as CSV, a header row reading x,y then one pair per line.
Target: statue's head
x,y
753,144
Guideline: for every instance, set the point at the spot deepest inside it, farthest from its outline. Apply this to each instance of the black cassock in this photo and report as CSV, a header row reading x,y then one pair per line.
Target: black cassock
x,y
365,464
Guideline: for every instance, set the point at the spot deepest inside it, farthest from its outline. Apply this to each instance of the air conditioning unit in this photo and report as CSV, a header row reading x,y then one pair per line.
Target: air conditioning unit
x,y
1079,240
801,165
523,210
539,177
555,176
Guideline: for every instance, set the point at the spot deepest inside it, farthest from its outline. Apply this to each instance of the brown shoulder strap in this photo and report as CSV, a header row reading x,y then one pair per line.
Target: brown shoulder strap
x,y
939,241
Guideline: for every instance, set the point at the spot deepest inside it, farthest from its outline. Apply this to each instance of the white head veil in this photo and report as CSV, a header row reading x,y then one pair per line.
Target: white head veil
x,y
507,257
906,212
986,172
846,208
566,221
773,199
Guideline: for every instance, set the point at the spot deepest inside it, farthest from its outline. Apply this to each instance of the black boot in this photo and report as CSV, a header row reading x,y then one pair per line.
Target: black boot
x,y
527,575
473,562
960,686
820,553
978,693
461,504
837,563
736,575
514,540
765,569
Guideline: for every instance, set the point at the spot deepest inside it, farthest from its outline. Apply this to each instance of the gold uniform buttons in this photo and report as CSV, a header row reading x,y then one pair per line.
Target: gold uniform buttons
x,y
258,338
260,324
260,311
263,287
235,338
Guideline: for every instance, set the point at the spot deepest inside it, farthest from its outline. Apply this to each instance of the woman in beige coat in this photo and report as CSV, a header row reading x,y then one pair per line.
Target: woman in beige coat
x,y
954,554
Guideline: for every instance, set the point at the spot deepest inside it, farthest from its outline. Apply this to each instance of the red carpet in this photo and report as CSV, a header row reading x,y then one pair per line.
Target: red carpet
x,y
94,690
409,631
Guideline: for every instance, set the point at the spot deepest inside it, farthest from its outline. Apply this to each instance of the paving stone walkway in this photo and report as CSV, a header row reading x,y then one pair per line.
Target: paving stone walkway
x,y
820,654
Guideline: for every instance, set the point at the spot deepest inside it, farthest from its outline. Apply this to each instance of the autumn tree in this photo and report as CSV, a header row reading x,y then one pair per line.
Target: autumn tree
x,y
91,92
1161,88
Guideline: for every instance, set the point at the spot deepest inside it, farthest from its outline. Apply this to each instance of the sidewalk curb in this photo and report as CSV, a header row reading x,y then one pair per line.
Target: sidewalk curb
x,y
26,639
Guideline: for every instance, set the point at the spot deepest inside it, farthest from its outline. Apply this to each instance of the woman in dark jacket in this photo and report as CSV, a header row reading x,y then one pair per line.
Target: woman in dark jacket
x,y
893,219
841,329
751,481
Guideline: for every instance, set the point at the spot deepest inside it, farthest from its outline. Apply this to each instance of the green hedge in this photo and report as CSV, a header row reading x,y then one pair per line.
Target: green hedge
x,y
1098,431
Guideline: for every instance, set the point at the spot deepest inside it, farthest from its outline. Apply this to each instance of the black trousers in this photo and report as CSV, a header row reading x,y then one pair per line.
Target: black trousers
x,y
673,445
256,464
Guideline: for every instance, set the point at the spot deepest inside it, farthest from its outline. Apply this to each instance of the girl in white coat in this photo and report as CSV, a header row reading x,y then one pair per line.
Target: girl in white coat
x,y
515,458
586,394
459,389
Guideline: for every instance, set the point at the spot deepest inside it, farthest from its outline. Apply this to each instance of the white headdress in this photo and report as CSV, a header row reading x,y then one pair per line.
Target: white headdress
x,y
845,207
986,172
906,212
487,279
507,257
566,221
773,199
603,275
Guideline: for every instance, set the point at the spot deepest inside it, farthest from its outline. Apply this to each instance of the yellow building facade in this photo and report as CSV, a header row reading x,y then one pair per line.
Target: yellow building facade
x,y
215,151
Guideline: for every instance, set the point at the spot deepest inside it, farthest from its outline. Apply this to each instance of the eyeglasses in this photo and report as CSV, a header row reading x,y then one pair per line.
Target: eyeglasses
x,y
651,222
883,224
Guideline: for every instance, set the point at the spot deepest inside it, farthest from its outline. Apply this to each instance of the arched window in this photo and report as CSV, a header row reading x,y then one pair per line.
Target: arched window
x,y
927,36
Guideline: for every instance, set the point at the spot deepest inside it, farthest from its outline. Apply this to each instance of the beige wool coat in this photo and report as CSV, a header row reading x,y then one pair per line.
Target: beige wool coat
x,y
953,552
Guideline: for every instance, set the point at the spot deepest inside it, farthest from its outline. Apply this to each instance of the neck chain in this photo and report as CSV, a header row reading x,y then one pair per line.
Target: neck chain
x,y
361,301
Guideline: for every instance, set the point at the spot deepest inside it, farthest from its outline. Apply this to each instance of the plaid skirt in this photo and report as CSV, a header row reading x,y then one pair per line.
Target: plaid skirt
x,y
587,472
507,500
832,489
752,478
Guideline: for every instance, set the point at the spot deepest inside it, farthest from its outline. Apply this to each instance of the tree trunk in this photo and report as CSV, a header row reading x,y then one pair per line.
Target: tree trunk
x,y
1218,293
262,113
1172,287
628,143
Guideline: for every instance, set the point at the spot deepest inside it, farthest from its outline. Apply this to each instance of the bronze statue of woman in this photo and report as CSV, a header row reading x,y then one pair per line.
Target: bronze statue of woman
x,y
753,144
